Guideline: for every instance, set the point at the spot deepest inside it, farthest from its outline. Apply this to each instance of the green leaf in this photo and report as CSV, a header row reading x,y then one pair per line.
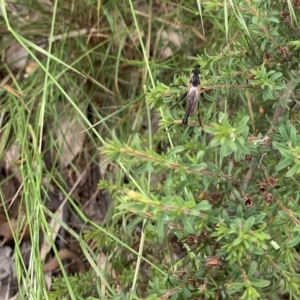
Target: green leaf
x,y
175,150
250,293
156,285
235,287
233,145
259,218
187,294
259,282
283,133
212,129
279,146
292,171
237,241
258,251
295,241
186,224
160,227
293,136
226,148
215,142
197,167
204,205
287,153
242,124
275,76
283,164
263,44
296,228
248,224
252,268
145,168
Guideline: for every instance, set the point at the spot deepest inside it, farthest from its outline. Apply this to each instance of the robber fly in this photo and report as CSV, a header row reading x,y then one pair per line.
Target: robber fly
x,y
193,94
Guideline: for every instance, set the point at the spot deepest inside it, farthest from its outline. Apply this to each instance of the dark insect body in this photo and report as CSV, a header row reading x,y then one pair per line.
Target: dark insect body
x,y
192,94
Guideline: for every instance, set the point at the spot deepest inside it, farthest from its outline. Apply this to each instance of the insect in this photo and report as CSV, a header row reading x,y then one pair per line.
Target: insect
x,y
192,94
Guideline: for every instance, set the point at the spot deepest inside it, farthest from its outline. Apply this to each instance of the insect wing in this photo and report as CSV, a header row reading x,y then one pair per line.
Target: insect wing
x,y
192,100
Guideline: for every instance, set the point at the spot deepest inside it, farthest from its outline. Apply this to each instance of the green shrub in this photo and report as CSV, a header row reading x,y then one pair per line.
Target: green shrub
x,y
227,191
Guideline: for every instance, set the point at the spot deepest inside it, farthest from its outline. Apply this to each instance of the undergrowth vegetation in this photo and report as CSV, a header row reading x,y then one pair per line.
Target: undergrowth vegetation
x,y
109,179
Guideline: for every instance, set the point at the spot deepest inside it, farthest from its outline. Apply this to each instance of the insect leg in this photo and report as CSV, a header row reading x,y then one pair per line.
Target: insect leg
x,y
200,123
185,119
181,98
